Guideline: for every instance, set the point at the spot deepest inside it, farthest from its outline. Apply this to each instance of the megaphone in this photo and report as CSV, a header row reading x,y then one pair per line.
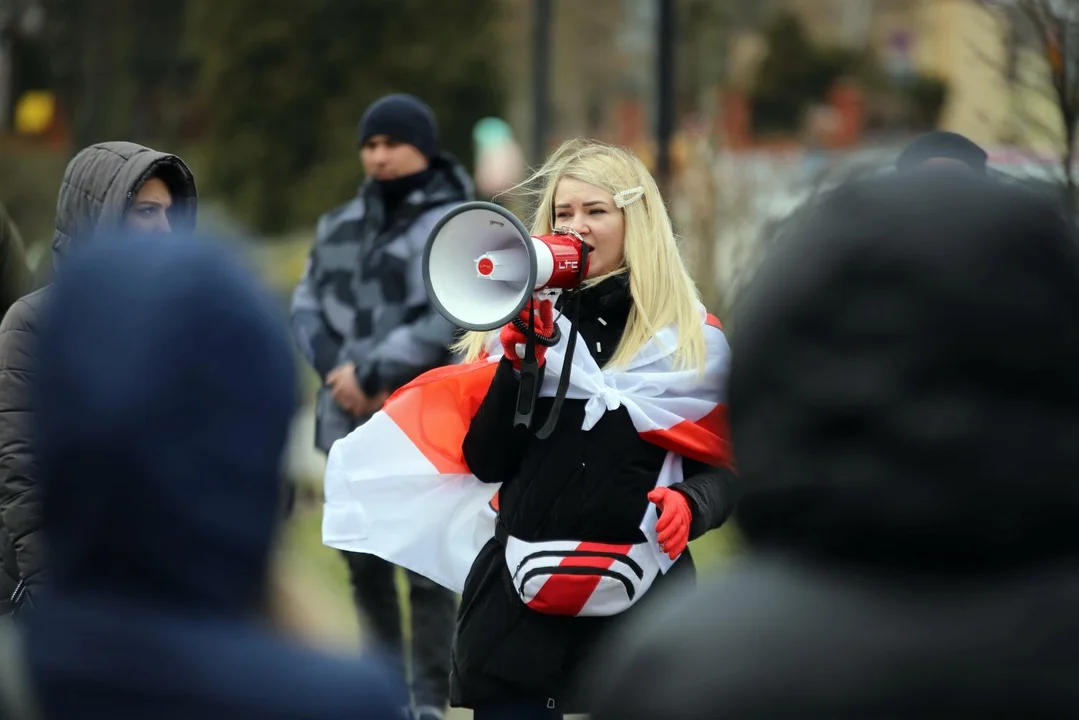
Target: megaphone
x,y
481,265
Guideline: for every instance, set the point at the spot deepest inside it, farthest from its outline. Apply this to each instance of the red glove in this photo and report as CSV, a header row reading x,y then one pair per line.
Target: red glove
x,y
675,518
511,337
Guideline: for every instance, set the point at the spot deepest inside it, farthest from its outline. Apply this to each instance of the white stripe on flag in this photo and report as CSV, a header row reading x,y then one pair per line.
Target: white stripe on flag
x,y
384,498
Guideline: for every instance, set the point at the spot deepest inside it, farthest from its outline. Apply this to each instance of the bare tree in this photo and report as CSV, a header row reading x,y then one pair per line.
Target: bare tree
x,y
1053,26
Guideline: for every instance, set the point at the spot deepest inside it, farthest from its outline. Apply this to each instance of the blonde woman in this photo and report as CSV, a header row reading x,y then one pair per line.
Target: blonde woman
x,y
571,554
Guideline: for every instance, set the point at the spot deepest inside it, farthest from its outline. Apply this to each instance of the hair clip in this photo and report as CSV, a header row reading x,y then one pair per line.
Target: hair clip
x,y
628,197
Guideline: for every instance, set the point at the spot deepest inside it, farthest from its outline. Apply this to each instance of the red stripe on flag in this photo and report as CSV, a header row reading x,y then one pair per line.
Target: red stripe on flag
x,y
435,410
706,440
568,594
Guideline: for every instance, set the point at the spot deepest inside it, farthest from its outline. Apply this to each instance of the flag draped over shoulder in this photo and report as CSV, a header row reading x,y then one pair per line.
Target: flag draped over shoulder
x,y
398,486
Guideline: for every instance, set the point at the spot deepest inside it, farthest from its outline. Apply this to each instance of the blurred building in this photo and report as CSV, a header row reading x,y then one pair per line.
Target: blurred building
x,y
996,70
603,74
999,74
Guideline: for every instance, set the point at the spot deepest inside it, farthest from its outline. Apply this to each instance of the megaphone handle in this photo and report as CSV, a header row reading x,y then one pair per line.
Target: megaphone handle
x,y
527,393
529,388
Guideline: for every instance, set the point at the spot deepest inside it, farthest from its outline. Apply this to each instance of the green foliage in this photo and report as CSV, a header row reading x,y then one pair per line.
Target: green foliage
x,y
796,73
926,96
787,65
29,180
109,61
282,86
702,50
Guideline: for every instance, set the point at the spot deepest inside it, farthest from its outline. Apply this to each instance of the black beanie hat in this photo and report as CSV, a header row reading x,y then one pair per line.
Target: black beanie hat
x,y
404,118
942,145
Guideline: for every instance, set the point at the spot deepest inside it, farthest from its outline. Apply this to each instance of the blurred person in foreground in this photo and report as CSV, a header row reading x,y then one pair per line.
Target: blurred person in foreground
x,y
905,411
592,522
361,317
15,276
107,186
161,496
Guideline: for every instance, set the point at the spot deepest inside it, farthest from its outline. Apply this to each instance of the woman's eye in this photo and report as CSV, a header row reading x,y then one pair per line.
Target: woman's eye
x,y
597,211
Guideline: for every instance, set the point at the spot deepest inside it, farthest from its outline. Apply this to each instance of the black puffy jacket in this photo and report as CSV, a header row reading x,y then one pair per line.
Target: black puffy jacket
x,y
573,485
22,555
97,188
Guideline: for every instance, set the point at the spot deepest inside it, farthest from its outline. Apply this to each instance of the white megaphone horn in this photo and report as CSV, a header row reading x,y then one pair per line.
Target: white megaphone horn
x,y
481,265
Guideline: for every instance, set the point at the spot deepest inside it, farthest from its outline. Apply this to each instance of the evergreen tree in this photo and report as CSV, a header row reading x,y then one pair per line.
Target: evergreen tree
x,y
282,86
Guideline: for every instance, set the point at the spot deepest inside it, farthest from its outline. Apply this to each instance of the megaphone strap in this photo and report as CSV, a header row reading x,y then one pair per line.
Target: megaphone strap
x,y
563,379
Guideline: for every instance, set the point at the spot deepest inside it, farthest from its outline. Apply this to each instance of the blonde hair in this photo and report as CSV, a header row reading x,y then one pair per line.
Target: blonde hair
x,y
662,291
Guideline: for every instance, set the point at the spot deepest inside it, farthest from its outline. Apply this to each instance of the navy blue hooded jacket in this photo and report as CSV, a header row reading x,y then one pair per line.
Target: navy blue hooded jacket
x,y
166,387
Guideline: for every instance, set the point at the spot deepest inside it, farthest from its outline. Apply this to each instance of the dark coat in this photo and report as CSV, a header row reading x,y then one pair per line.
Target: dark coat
x,y
22,551
573,485
97,188
904,406
161,492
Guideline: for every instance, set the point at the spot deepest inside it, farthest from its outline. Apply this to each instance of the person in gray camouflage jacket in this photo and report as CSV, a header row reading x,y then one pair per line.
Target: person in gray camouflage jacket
x,y
361,317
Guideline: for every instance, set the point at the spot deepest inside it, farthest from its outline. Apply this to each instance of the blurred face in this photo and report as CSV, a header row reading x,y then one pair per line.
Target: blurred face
x,y
384,158
149,209
592,213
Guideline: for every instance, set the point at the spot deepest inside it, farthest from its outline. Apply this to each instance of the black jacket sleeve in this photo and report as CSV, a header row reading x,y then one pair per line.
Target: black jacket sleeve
x,y
712,493
492,446
20,511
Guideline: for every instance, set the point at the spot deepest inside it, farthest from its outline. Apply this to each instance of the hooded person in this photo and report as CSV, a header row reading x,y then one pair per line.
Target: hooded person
x,y
161,494
904,407
105,187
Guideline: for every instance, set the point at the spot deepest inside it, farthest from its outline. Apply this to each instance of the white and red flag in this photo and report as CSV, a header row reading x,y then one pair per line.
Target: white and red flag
x,y
398,486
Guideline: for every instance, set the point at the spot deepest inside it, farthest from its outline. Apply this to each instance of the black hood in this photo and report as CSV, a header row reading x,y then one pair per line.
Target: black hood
x,y
905,379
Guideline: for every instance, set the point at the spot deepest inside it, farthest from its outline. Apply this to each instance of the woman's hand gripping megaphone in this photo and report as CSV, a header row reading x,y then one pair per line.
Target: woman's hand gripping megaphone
x,y
535,319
